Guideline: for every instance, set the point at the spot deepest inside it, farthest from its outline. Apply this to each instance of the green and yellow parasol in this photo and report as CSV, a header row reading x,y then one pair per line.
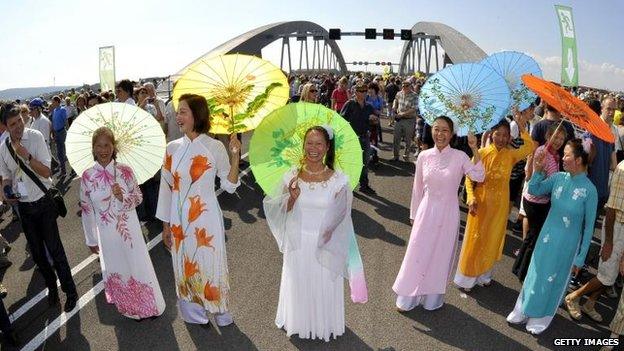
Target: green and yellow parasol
x,y
277,143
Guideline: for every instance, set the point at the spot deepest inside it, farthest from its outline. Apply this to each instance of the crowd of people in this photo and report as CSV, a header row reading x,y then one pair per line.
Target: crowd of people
x,y
561,180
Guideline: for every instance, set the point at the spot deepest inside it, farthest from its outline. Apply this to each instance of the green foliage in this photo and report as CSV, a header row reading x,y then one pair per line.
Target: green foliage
x,y
252,108
465,117
277,152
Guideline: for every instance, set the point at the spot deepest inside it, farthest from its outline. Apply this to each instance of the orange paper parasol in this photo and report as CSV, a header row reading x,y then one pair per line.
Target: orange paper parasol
x,y
570,107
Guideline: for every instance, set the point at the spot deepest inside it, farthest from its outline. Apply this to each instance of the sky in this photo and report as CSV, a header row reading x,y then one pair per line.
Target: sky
x,y
51,42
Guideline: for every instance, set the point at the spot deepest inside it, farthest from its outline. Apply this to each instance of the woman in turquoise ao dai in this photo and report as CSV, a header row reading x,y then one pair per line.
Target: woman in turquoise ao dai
x,y
563,241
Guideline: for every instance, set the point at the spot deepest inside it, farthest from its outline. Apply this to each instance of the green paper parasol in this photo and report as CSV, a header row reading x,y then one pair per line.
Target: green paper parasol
x,y
277,143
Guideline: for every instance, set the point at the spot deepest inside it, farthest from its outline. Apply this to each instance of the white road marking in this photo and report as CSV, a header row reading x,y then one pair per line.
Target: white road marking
x,y
42,294
56,324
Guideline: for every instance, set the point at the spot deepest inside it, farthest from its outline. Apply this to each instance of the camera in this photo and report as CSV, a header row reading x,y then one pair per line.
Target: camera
x,y
9,194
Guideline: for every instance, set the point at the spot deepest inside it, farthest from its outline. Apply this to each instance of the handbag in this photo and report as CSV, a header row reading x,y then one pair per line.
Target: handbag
x,y
53,193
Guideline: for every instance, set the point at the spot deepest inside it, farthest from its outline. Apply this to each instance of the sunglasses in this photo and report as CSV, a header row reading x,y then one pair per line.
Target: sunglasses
x,y
313,90
362,91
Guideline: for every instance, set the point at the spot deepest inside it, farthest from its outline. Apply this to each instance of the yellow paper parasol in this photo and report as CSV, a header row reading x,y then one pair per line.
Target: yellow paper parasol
x,y
240,89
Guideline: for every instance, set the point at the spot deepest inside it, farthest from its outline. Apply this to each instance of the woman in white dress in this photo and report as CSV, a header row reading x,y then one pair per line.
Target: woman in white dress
x,y
109,194
310,217
192,219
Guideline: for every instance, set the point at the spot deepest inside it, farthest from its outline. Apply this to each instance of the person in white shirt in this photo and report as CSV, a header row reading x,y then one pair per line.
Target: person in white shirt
x,y
39,121
72,112
158,103
172,129
124,91
37,210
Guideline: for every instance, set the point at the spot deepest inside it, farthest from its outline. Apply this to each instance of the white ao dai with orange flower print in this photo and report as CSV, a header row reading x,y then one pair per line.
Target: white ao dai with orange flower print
x,y
129,278
188,202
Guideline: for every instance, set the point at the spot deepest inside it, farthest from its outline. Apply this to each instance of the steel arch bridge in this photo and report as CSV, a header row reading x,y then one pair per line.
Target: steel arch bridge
x,y
426,37
327,57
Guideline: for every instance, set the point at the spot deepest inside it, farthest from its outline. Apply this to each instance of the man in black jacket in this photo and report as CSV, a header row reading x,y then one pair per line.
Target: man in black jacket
x,y
360,115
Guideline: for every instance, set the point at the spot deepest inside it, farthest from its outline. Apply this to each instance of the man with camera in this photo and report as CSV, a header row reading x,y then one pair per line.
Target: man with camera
x,y
23,152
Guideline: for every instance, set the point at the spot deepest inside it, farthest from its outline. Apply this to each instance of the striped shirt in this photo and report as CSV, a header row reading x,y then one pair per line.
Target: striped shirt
x,y
551,166
616,194
404,102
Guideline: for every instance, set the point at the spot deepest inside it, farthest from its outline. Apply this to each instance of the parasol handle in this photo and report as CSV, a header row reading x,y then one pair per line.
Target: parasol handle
x,y
235,149
555,133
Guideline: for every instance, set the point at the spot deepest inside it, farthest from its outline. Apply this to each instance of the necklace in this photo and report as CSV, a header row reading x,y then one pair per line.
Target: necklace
x,y
314,173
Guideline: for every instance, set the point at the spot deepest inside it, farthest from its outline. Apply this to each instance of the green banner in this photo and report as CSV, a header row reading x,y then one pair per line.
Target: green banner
x,y
107,68
569,62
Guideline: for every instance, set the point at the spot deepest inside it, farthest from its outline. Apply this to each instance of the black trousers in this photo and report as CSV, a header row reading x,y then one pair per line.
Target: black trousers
x,y
39,223
536,215
5,323
147,208
365,144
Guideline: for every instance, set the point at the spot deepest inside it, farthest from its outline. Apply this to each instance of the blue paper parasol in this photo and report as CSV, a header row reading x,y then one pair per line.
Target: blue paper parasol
x,y
473,95
512,66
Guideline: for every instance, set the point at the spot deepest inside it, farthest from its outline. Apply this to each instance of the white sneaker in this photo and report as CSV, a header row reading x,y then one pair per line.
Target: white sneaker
x,y
224,319
516,318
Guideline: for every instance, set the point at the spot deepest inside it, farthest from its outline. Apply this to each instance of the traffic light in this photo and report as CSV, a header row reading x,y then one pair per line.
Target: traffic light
x,y
377,63
334,33
370,33
406,34
388,34
354,62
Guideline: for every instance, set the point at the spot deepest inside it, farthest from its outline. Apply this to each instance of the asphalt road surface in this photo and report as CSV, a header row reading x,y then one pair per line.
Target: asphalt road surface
x,y
469,322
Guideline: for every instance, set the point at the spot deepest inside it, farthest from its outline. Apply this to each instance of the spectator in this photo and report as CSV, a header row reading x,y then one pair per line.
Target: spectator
x,y
81,104
360,115
405,105
59,119
551,116
340,95
147,208
37,211
72,112
602,157
143,99
124,91
172,129
25,113
39,121
374,99
391,90
94,99
158,103
309,93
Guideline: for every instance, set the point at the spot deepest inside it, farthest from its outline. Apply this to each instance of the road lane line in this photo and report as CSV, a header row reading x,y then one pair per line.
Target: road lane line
x,y
56,324
42,294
